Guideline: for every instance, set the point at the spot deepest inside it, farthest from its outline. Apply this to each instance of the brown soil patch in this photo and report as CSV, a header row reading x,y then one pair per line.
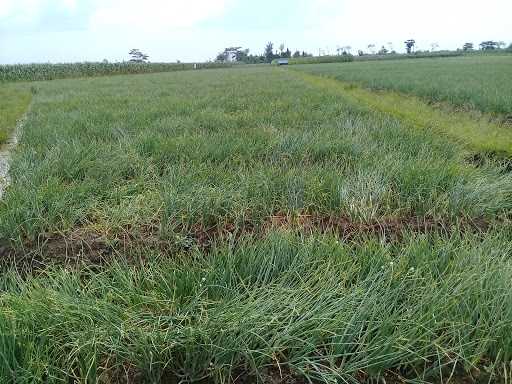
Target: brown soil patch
x,y
507,121
389,229
129,374
87,246
496,158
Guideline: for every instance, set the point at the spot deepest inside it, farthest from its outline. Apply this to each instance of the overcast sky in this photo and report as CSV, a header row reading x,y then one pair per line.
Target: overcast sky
x,y
196,30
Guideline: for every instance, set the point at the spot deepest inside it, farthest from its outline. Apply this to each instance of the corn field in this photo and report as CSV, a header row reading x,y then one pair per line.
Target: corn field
x,y
35,72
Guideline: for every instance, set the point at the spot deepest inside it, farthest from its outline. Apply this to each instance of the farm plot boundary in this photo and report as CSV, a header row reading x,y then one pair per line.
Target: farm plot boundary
x,y
481,134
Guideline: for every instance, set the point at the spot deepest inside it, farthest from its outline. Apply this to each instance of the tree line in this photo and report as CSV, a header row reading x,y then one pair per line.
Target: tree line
x,y
243,56
487,45
238,54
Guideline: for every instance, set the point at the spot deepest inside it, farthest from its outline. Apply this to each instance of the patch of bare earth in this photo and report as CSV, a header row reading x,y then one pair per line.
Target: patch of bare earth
x,y
502,160
282,374
6,149
89,246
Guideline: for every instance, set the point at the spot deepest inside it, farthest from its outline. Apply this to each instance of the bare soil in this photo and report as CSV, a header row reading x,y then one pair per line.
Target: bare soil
x,y
85,245
6,149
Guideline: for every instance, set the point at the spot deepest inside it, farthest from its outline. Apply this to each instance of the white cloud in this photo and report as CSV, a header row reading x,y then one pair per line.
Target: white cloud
x,y
22,15
69,30
19,10
362,22
154,15
70,5
6,7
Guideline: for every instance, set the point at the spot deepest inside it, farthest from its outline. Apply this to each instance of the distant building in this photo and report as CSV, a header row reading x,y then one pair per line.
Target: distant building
x,y
282,61
231,55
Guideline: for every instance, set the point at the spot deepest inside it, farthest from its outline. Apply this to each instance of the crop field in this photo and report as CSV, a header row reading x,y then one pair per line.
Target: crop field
x,y
36,72
389,56
251,224
481,82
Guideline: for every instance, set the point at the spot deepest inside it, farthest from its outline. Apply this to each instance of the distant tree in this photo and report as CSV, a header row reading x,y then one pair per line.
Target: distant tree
x,y
488,45
242,55
345,50
360,52
501,44
467,47
281,49
253,59
137,56
371,48
409,45
269,52
383,51
296,54
231,54
287,54
509,47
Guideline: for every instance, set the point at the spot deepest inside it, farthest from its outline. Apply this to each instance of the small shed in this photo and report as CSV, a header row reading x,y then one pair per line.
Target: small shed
x,y
230,55
282,62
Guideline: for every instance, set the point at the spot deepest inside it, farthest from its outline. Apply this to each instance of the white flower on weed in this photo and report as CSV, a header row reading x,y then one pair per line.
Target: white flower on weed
x,y
411,269
203,279
391,263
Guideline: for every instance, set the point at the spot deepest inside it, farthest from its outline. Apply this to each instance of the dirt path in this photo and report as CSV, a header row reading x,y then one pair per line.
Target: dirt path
x,y
6,149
